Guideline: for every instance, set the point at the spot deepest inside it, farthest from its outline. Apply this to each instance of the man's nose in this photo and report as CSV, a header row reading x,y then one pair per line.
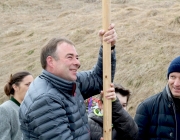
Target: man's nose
x,y
77,62
177,82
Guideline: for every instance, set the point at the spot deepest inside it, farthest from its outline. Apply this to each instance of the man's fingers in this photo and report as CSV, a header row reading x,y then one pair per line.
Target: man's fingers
x,y
101,33
110,32
112,25
110,36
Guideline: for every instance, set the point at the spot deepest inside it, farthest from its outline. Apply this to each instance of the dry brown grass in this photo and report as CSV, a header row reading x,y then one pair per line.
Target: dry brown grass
x,y
148,38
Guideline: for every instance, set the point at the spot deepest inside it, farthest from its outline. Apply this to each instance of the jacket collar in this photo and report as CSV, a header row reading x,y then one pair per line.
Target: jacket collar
x,y
59,83
169,94
15,101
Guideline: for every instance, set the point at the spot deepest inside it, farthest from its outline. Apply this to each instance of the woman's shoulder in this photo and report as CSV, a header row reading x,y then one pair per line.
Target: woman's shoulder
x,y
6,103
8,106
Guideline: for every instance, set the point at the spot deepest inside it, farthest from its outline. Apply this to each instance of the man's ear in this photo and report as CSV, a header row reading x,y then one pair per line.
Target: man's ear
x,y
50,61
100,104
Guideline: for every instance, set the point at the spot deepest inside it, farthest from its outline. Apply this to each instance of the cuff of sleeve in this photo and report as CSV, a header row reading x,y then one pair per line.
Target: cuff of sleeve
x,y
112,48
114,99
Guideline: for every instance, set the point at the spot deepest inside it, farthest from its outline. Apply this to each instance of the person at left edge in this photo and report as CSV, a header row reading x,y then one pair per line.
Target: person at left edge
x,y
15,89
54,108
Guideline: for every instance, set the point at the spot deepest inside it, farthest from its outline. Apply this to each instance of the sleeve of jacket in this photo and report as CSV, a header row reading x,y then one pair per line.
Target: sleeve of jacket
x,y
95,129
46,119
5,127
90,82
142,118
123,123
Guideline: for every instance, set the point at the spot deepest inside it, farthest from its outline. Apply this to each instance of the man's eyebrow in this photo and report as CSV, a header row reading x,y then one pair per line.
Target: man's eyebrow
x,y
71,54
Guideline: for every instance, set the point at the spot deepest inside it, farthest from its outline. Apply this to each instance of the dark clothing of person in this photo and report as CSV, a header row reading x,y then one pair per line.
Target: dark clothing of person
x,y
177,105
124,127
157,117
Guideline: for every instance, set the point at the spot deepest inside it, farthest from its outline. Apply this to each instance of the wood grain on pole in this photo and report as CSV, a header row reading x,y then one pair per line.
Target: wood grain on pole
x,y
107,104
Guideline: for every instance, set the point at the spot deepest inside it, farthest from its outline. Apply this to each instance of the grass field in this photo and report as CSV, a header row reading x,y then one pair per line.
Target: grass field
x,y
148,38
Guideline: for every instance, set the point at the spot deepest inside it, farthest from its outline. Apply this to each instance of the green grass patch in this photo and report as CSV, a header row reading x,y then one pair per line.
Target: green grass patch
x,y
30,52
31,34
19,43
30,67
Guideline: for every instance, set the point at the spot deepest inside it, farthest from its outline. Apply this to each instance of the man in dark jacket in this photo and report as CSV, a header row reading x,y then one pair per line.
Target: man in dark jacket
x,y
158,117
54,108
123,125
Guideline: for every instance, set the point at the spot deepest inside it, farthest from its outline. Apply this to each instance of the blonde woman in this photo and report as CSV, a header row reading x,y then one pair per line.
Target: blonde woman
x,y
16,89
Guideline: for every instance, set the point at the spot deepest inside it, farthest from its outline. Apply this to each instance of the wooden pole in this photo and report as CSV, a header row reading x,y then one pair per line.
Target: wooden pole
x,y
107,104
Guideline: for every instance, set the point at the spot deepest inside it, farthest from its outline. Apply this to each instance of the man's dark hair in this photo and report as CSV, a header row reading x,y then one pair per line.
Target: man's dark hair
x,y
119,89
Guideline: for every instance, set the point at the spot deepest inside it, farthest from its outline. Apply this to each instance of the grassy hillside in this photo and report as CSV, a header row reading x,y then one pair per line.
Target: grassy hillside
x,y
148,38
